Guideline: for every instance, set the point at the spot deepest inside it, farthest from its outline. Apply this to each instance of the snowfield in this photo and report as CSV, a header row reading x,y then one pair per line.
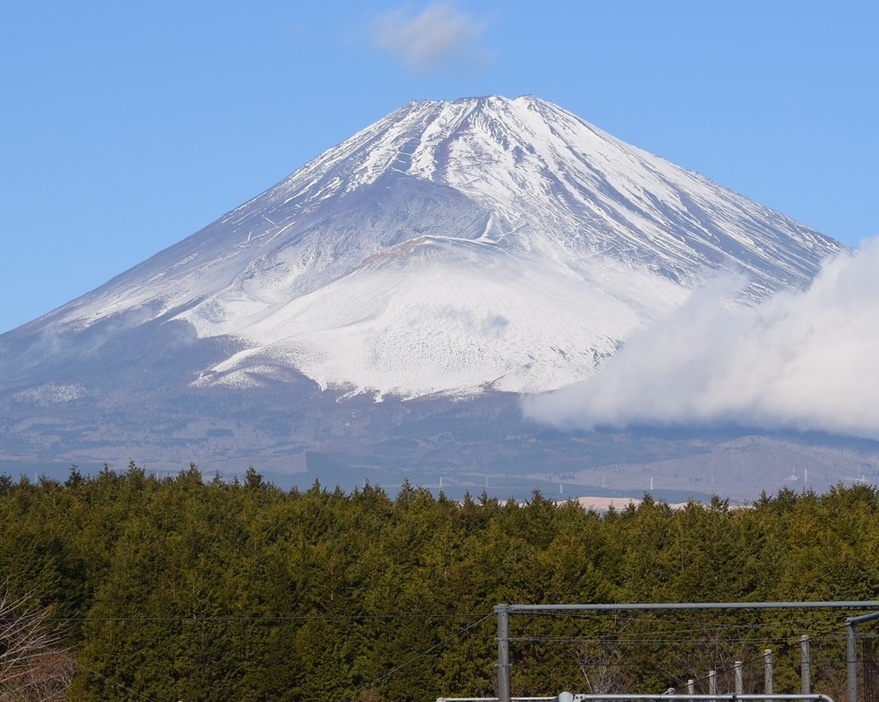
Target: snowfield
x,y
455,247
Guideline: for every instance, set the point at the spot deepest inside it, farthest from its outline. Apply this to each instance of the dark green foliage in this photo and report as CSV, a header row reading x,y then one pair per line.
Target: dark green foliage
x,y
179,588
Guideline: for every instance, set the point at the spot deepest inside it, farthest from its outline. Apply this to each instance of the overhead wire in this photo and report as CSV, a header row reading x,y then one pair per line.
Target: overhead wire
x,y
827,633
257,618
116,683
418,656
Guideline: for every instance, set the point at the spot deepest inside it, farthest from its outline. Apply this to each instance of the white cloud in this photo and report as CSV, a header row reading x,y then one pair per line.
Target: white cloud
x,y
438,37
802,360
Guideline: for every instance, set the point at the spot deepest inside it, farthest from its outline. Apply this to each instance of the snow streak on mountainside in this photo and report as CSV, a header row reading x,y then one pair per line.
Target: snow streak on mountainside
x,y
453,247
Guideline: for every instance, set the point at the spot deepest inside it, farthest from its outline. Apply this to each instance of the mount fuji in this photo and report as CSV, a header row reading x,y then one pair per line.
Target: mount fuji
x,y
444,259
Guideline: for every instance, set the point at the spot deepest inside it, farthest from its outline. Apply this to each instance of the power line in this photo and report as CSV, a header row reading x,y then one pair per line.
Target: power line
x,y
419,656
116,683
259,618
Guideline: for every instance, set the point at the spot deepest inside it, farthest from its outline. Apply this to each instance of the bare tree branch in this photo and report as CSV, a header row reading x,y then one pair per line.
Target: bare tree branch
x,y
33,664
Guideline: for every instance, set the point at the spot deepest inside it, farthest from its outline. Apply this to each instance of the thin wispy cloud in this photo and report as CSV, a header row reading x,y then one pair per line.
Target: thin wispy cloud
x,y
439,37
802,360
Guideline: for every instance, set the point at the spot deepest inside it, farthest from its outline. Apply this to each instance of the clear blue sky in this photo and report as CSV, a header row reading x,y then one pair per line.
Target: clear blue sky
x,y
127,126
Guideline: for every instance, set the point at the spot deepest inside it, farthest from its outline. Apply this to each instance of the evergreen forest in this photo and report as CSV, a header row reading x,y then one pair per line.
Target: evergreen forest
x,y
130,586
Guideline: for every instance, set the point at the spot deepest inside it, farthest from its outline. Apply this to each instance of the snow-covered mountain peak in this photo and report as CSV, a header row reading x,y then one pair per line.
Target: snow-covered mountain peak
x,y
442,141
455,246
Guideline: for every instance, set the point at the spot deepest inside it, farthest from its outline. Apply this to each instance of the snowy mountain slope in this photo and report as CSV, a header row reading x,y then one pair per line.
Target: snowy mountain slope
x,y
424,323
451,247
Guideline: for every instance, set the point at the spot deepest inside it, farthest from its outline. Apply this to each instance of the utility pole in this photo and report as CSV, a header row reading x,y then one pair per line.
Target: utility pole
x,y
503,652
805,665
768,675
851,660
739,677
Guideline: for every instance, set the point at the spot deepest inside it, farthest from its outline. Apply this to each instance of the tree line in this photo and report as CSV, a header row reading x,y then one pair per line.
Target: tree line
x,y
187,588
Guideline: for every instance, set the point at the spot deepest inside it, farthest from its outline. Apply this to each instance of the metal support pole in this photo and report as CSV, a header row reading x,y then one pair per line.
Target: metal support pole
x,y
712,682
691,687
805,665
503,653
740,678
504,610
768,677
851,660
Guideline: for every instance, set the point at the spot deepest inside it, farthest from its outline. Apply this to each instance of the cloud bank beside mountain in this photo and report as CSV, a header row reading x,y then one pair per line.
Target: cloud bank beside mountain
x,y
805,360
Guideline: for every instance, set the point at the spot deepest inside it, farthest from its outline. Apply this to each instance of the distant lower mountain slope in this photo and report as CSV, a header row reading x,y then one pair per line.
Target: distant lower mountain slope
x,y
451,250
